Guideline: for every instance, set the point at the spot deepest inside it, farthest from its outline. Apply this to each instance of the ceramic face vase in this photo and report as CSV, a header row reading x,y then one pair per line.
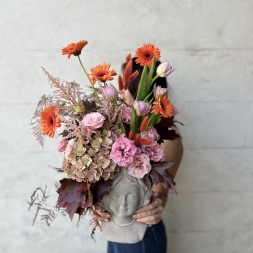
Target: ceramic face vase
x,y
127,194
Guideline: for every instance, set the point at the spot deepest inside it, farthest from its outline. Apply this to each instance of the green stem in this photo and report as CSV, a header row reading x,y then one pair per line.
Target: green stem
x,y
122,127
154,78
94,90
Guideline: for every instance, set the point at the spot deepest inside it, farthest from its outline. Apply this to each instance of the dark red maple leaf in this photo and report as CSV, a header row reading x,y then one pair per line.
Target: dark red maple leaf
x,y
74,196
163,130
100,189
167,134
159,174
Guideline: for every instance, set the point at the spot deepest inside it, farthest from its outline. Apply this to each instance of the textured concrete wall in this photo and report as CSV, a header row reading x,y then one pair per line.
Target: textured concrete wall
x,y
210,45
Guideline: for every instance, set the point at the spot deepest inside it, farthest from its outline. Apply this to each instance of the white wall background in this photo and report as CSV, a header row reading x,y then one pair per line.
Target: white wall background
x,y
210,45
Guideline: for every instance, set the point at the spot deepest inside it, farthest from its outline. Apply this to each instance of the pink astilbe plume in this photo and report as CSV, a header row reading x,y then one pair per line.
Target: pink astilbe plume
x,y
65,96
68,93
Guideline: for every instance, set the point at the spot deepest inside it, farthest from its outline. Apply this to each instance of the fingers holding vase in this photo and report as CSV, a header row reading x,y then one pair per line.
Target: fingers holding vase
x,y
98,215
150,214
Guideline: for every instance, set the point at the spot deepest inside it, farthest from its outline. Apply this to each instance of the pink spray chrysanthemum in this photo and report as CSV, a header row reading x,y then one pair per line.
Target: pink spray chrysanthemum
x,y
62,145
122,151
92,121
150,133
140,166
68,151
154,151
125,113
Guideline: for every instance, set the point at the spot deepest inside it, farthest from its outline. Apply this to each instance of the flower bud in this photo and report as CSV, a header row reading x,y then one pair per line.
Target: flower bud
x,y
62,145
164,69
141,108
110,92
158,90
175,111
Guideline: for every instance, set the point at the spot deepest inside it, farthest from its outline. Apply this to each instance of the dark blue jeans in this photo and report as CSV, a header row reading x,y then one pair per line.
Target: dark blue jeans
x,y
154,241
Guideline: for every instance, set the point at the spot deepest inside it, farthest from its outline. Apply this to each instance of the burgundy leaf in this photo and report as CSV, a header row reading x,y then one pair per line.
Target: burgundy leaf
x,y
100,189
163,130
74,196
165,122
159,174
167,134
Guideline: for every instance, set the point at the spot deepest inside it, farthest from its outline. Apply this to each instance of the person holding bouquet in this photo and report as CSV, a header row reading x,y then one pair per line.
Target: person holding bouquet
x,y
155,237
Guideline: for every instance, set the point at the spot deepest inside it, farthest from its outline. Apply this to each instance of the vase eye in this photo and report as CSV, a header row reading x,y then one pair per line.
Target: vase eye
x,y
115,196
131,196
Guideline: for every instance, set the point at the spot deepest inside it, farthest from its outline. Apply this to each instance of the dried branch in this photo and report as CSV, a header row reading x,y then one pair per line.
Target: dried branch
x,y
39,199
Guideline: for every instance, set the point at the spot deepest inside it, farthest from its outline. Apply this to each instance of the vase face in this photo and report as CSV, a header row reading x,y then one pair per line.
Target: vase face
x,y
126,195
124,200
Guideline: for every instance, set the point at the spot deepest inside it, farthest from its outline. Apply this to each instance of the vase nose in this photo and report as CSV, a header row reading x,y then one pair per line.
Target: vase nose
x,y
123,208
122,204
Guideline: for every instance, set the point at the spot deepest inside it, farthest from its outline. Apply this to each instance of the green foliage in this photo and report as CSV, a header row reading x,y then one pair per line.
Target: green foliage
x,y
134,120
142,89
77,109
151,73
154,119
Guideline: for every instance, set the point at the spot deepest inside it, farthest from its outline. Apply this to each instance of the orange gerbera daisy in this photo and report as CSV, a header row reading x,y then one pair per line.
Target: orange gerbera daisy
x,y
74,48
163,106
146,53
93,79
49,120
102,73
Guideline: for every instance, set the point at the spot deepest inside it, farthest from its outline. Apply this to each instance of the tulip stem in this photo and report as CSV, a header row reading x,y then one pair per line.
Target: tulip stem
x,y
122,127
154,78
92,86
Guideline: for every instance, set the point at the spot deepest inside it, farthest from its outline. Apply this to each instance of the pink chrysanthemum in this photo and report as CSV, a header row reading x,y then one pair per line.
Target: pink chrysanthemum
x,y
154,151
151,133
122,151
125,113
140,166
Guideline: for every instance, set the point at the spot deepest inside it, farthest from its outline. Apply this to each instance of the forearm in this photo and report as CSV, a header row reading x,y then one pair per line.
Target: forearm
x,y
173,152
160,192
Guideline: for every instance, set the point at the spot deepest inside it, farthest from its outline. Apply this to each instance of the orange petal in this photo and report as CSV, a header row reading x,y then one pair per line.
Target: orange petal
x,y
128,58
120,82
131,135
137,140
144,124
146,141
128,71
133,76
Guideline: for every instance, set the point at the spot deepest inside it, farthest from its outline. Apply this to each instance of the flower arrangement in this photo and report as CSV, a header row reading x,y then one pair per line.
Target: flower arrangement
x,y
101,133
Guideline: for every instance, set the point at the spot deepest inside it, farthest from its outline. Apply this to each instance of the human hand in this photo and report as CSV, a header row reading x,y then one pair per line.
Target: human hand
x,y
152,213
98,214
